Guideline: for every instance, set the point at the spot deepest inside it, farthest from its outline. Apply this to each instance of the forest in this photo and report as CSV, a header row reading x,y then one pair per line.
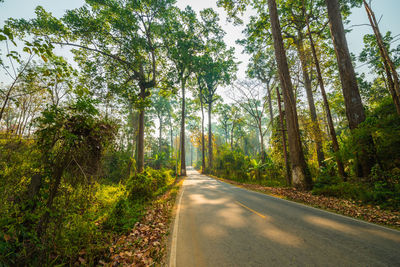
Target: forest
x,y
87,144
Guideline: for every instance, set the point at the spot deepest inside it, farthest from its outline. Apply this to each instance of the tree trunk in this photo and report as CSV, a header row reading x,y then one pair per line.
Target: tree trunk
x,y
332,132
352,99
191,154
232,129
300,175
140,141
271,115
160,135
391,73
210,141
261,141
310,98
203,149
182,139
282,124
171,135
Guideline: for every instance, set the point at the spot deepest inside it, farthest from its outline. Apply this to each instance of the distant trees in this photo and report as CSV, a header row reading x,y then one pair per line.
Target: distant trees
x,y
252,98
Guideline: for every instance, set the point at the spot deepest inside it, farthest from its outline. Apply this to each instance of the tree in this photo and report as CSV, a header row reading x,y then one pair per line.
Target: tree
x,y
390,69
37,47
183,44
216,66
332,132
352,99
250,96
130,41
300,175
160,107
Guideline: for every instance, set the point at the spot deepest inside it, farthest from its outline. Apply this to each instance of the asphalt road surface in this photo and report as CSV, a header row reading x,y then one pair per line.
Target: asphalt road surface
x,y
218,224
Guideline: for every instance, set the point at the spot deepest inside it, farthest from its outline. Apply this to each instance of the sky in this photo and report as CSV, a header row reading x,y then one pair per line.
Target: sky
x,y
388,9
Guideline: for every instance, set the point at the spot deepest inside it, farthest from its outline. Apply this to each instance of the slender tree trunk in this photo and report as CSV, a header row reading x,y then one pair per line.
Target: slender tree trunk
x,y
310,98
332,132
261,141
191,155
271,115
352,99
140,141
160,135
171,135
300,175
282,125
182,139
203,148
391,73
232,129
210,139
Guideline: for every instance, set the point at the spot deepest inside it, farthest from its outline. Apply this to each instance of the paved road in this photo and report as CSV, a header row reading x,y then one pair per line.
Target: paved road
x,y
219,224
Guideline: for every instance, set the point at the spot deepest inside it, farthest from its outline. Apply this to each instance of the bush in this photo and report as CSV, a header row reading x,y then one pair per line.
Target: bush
x,y
149,183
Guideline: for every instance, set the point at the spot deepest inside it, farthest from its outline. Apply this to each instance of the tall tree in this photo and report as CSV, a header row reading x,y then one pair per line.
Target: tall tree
x,y
352,99
130,41
250,96
389,67
300,175
332,132
216,66
183,44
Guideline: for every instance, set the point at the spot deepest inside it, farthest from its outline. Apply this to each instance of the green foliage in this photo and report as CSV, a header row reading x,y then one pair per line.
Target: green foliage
x,y
149,183
115,165
231,164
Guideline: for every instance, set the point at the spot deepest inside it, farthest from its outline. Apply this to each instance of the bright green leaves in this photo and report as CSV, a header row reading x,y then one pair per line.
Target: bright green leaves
x,y
234,8
6,34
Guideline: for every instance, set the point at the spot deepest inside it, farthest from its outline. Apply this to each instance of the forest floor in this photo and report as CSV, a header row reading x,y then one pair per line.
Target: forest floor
x,y
355,209
146,243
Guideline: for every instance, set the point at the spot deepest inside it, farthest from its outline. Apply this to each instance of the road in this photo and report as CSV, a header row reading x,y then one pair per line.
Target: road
x,y
218,224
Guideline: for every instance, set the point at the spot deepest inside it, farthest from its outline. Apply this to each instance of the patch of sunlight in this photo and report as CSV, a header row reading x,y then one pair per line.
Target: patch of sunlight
x,y
278,196
330,224
200,199
232,216
277,235
381,233
213,231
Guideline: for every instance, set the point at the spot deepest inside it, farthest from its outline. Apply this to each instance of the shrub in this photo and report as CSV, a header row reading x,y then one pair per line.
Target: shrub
x,y
149,183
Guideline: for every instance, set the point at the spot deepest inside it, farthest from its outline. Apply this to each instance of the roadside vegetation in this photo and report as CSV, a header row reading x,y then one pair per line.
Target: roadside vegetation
x,y
90,150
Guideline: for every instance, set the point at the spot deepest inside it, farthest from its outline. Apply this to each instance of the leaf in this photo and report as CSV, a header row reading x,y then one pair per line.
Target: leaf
x,y
27,49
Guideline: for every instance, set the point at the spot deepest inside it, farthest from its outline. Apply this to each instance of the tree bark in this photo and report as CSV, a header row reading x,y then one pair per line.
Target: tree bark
x,y
300,175
352,99
160,135
332,132
282,124
171,135
261,141
210,141
182,139
390,69
203,149
140,141
271,115
310,98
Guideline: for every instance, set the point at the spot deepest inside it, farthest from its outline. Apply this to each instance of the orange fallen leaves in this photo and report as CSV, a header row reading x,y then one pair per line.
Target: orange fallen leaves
x,y
145,244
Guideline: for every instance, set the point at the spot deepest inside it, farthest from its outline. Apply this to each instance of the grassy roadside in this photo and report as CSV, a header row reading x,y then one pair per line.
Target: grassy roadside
x,y
146,243
354,209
